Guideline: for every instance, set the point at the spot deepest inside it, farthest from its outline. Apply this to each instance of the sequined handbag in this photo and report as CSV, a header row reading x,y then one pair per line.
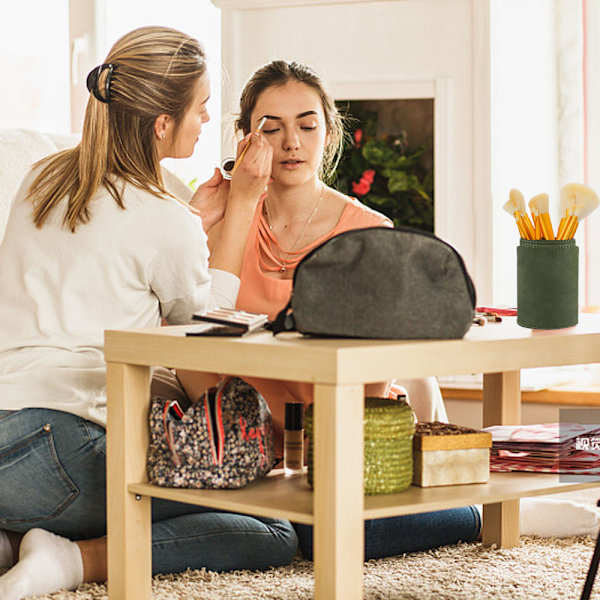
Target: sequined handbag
x,y
224,440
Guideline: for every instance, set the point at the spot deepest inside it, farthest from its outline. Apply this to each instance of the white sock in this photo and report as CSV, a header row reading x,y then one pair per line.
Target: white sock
x,y
6,554
557,518
47,563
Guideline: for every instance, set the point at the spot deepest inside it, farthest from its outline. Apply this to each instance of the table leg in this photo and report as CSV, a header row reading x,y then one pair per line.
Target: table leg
x,y
501,406
129,526
338,497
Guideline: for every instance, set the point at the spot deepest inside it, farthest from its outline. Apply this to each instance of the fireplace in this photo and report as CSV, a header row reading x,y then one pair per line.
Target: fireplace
x,y
388,158
420,109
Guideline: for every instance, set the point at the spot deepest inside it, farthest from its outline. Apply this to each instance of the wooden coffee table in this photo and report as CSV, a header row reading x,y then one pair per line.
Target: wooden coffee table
x,y
339,369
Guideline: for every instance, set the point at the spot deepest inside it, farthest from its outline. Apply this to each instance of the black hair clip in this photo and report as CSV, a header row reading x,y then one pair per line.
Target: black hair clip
x,y
92,81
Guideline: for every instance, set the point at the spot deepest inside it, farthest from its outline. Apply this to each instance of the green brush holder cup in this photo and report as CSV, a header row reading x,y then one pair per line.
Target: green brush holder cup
x,y
547,284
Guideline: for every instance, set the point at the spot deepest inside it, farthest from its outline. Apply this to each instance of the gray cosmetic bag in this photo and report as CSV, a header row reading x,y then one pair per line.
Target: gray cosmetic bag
x,y
381,283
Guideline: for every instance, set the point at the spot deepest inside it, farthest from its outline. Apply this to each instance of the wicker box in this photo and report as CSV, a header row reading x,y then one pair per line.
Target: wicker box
x,y
448,454
389,427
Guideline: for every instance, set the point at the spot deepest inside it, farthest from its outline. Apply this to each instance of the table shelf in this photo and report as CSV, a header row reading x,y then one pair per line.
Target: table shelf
x,y
291,498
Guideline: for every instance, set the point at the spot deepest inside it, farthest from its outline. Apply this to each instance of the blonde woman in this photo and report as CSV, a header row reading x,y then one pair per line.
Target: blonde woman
x,y
299,212
95,241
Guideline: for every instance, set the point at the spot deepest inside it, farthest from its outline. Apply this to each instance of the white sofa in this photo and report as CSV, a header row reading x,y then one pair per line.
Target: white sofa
x,y
20,148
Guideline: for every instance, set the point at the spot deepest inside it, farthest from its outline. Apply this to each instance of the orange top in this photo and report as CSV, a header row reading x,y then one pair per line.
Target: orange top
x,y
262,293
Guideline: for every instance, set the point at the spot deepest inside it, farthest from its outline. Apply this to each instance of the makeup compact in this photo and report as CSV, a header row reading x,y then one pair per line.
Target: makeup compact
x,y
227,165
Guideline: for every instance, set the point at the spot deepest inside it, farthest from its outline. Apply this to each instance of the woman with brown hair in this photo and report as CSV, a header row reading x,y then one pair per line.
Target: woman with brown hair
x,y
299,212
96,241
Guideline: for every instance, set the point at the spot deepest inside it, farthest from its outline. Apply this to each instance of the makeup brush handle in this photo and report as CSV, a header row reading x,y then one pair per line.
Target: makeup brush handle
x,y
239,160
572,227
561,228
258,130
544,219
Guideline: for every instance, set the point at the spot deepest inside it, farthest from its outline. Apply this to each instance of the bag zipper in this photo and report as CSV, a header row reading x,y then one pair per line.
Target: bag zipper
x,y
168,429
468,280
214,420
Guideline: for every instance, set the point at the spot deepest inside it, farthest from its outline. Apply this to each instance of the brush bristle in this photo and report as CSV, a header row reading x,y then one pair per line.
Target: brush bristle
x,y
539,204
572,195
515,202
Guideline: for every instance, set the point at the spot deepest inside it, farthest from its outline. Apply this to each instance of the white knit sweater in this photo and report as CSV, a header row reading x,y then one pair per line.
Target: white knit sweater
x,y
59,291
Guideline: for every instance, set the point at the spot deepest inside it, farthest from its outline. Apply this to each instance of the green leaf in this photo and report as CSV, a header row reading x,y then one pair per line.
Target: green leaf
x,y
378,153
400,181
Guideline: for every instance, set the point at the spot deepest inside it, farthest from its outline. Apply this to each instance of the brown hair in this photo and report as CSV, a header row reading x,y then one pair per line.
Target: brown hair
x,y
155,72
278,73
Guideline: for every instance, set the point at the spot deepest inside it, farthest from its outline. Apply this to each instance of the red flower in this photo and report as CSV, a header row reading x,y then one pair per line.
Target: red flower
x,y
361,188
358,136
369,175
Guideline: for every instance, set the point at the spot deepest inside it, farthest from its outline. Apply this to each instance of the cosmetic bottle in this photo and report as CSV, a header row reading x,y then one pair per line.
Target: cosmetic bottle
x,y
293,439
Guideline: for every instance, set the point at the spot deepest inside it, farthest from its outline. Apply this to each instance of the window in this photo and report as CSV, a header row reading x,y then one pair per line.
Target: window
x,y
47,48
34,54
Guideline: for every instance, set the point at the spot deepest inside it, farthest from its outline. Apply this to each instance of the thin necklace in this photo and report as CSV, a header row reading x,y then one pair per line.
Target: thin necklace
x,y
279,259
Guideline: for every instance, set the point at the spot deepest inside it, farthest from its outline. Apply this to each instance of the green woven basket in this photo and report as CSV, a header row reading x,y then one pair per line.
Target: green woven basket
x,y
389,427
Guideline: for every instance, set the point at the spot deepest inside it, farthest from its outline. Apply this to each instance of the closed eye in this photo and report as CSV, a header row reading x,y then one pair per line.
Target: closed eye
x,y
267,131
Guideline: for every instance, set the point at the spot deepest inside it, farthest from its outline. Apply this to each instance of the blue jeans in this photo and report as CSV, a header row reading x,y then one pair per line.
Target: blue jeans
x,y
409,533
52,475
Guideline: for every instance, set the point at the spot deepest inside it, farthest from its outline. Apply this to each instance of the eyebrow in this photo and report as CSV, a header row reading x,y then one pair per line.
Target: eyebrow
x,y
300,116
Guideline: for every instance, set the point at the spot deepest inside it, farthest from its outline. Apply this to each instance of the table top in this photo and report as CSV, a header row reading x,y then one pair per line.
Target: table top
x,y
495,347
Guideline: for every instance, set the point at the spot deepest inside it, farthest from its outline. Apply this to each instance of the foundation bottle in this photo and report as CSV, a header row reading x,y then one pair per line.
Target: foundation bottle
x,y
293,439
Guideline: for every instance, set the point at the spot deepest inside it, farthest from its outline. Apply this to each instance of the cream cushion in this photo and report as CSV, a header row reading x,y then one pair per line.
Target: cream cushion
x,y
20,148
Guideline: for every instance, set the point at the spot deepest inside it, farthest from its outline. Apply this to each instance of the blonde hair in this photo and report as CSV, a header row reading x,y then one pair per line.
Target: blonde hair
x,y
277,73
155,71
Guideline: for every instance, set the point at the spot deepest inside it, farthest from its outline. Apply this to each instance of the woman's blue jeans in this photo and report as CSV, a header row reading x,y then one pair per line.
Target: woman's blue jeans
x,y
409,533
52,475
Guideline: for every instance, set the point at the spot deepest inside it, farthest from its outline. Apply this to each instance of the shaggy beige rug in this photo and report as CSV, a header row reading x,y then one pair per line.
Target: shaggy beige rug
x,y
544,569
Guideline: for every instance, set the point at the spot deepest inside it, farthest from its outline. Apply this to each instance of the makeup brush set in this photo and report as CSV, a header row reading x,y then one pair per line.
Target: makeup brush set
x,y
548,263
577,201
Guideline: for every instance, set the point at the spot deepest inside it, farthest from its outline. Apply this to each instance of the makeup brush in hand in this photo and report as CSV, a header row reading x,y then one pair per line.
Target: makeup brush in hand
x,y
538,206
515,206
577,201
243,153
